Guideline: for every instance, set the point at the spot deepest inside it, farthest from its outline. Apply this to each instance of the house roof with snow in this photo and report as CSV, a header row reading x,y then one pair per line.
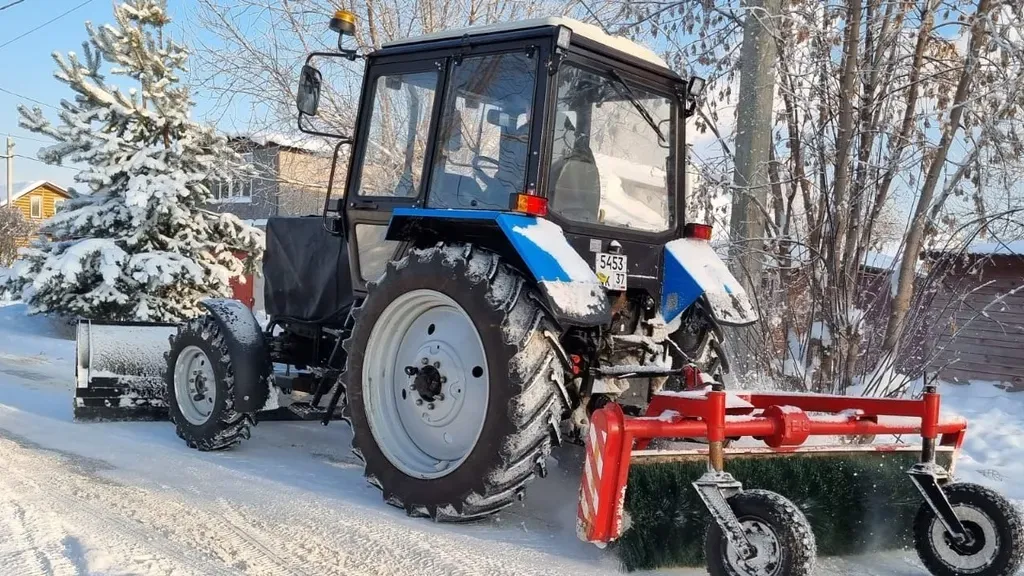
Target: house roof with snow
x,y
265,138
1013,248
26,188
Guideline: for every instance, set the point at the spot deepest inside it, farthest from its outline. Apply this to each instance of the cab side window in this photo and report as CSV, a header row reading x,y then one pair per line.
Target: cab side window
x,y
484,133
397,140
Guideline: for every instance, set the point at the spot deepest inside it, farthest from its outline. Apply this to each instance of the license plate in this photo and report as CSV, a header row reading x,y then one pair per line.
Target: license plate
x,y
611,270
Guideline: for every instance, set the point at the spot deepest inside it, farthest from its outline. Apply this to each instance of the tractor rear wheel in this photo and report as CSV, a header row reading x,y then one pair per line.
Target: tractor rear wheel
x,y
702,340
452,388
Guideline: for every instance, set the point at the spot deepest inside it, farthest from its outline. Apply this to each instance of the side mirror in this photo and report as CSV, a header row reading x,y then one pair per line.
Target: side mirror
x,y
307,99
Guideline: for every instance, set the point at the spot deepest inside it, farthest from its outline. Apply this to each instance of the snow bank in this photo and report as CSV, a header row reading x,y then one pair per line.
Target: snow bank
x,y
993,453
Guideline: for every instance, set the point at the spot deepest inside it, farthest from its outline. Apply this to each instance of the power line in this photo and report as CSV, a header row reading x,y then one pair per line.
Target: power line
x,y
34,159
16,95
6,6
48,22
30,139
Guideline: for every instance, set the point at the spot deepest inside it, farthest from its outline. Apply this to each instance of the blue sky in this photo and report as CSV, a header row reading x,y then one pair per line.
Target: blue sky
x,y
26,68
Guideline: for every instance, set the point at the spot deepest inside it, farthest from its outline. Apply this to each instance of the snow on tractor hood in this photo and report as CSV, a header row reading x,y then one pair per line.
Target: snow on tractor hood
x,y
692,270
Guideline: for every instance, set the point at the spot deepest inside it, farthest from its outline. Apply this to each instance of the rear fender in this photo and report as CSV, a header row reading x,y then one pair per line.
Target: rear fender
x,y
692,271
535,246
248,349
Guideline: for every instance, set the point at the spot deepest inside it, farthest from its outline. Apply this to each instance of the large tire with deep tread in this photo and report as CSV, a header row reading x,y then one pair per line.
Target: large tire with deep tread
x,y
226,427
791,531
524,409
975,505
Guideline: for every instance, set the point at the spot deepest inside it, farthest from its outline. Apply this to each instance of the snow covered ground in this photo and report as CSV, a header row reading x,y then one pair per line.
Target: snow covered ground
x,y
129,498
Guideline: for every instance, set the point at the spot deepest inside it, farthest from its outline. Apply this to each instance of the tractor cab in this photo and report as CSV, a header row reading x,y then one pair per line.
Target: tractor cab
x,y
547,117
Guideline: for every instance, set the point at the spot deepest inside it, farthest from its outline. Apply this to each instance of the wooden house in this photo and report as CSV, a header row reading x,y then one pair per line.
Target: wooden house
x,y
978,311
37,201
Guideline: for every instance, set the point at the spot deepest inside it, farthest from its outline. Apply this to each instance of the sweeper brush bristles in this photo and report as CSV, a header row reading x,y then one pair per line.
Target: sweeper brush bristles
x,y
855,502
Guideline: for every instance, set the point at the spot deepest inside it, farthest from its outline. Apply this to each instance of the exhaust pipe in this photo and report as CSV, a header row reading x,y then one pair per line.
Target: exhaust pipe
x,y
119,370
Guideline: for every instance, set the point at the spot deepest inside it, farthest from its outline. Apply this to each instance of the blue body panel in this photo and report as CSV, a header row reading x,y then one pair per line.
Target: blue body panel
x,y
678,289
693,270
542,264
572,289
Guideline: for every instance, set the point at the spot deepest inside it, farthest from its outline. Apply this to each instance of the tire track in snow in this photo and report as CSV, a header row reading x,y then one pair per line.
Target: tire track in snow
x,y
18,553
60,496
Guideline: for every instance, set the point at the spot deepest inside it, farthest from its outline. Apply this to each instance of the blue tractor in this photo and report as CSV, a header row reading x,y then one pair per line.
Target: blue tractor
x,y
508,253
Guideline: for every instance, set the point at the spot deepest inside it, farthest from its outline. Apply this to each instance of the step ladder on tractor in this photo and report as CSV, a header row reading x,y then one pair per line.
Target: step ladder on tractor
x,y
507,268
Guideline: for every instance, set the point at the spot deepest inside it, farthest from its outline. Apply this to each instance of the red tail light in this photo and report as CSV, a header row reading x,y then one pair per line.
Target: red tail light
x,y
697,231
529,204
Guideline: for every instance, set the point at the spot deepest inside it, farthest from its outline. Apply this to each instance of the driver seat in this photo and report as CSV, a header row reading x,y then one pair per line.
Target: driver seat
x,y
576,186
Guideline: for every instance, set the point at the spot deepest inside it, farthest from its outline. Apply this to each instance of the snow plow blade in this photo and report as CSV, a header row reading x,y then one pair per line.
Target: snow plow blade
x,y
652,505
119,370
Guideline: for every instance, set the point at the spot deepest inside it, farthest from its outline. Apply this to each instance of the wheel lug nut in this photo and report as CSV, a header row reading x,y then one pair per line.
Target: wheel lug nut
x,y
419,402
444,379
437,364
430,406
440,397
424,360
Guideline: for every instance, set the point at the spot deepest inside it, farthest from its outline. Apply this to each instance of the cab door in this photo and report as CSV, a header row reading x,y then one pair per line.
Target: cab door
x,y
389,168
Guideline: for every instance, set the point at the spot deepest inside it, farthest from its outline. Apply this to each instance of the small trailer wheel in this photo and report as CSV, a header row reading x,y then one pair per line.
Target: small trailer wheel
x,y
778,530
996,547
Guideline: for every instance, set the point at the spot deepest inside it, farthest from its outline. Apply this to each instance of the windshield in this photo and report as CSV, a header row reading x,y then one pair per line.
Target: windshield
x,y
608,163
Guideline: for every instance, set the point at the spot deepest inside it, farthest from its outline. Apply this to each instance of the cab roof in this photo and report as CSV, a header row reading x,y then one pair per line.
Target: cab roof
x,y
588,31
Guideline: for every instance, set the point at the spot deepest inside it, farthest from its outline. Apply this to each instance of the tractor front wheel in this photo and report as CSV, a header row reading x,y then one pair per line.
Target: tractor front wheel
x,y
996,543
453,390
779,532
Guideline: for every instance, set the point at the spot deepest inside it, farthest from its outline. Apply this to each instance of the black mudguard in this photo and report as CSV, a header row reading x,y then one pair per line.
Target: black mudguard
x,y
248,349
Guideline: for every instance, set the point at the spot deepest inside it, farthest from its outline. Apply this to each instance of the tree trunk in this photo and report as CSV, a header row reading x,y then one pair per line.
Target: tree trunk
x,y
753,139
915,237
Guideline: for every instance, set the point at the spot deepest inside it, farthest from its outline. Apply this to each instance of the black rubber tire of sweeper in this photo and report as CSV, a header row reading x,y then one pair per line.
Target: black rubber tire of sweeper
x,y
973,503
788,525
226,427
524,409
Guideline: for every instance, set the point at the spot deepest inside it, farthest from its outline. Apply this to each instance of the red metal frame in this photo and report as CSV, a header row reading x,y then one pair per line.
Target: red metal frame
x,y
782,421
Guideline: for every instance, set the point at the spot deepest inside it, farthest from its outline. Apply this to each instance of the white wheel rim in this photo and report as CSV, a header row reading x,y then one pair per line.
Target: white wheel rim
x,y
195,385
425,435
954,559
767,558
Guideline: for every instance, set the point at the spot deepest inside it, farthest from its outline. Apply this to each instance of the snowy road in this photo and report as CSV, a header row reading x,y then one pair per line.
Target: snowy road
x,y
128,498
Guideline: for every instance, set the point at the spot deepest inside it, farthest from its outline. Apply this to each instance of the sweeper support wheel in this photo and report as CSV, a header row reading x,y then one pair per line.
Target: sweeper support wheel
x,y
995,546
780,537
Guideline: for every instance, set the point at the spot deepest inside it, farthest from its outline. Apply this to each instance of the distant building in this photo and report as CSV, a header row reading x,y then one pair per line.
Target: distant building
x,y
977,315
292,180
37,201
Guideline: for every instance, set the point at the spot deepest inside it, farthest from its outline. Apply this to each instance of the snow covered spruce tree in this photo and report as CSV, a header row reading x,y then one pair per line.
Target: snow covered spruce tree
x,y
139,245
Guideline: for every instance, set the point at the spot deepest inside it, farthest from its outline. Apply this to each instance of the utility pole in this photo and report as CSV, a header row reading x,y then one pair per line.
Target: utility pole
x,y
10,170
753,138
